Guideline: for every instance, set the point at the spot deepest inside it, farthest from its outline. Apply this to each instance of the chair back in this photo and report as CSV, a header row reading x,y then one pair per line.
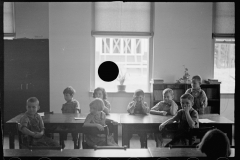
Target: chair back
x,y
22,145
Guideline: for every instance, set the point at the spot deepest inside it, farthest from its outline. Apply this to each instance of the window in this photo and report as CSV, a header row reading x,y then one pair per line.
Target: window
x,y
130,54
224,45
122,33
224,64
8,20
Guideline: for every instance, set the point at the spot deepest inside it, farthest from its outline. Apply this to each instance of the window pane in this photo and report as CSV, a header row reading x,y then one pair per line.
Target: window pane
x,y
129,59
224,66
8,17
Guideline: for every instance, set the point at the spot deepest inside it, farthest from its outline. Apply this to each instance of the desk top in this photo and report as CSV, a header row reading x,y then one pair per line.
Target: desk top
x,y
66,118
180,152
77,153
124,118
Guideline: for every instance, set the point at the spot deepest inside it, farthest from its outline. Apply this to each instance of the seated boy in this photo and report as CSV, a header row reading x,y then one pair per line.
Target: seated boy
x,y
186,117
31,124
200,98
71,106
165,107
138,106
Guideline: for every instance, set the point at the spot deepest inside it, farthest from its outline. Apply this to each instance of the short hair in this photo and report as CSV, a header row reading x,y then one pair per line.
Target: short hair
x,y
32,100
218,140
168,90
198,78
187,96
100,89
97,104
69,90
138,92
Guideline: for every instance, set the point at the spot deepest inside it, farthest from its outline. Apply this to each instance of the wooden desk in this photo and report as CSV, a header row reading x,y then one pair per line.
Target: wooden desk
x,y
59,118
180,152
77,153
150,123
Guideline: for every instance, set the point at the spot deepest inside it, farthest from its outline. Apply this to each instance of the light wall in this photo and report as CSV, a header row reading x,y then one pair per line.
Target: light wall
x,y
182,36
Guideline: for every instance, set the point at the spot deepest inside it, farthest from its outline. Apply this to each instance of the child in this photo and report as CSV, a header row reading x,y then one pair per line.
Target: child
x,y
200,98
101,93
138,106
215,144
71,106
165,107
31,124
97,118
187,118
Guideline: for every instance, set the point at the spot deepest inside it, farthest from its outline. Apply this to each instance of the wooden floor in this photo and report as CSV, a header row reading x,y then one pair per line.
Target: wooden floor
x,y
134,143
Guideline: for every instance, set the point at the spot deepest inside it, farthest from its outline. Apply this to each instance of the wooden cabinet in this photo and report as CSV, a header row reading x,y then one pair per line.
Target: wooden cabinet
x,y
26,74
212,91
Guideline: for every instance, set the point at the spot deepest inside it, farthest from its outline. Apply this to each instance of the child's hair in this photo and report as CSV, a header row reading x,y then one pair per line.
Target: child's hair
x,y
218,140
138,92
97,104
198,78
100,89
69,90
32,100
187,96
168,90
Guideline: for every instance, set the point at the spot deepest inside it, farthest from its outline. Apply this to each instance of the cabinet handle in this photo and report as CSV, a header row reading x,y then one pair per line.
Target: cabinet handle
x,y
27,86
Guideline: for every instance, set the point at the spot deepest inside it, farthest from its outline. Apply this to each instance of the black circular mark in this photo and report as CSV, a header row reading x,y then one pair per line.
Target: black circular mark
x,y
108,71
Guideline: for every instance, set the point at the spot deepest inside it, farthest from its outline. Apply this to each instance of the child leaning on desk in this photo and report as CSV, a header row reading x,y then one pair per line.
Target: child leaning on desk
x,y
187,118
200,98
138,106
165,107
31,124
97,118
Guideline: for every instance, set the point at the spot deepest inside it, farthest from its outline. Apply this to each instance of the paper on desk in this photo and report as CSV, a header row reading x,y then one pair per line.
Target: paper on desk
x,y
41,113
205,120
79,118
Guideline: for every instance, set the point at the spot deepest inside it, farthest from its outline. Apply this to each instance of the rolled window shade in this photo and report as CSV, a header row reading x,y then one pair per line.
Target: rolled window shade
x,y
122,17
224,18
8,18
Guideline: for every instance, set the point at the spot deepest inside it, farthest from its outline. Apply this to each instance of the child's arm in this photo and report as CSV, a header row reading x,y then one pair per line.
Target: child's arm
x,y
157,109
23,128
77,106
191,119
107,107
145,107
173,108
131,107
170,120
188,91
204,99
87,123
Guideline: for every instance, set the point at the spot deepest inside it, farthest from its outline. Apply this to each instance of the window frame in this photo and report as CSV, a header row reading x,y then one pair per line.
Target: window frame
x,y
148,35
13,34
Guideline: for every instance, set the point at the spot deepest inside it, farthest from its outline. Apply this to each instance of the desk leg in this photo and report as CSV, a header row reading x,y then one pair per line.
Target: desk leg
x,y
115,130
125,139
11,140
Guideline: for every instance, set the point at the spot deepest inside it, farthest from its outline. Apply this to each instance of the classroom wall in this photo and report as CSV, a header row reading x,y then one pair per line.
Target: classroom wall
x,y
183,32
31,20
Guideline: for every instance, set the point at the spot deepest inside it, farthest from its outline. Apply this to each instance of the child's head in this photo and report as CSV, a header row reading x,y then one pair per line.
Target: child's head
x,y
32,105
196,82
68,93
167,94
100,92
215,143
96,105
187,100
138,95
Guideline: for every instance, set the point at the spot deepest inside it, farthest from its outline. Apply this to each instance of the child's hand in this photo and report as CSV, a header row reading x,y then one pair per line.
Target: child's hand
x,y
186,108
114,123
100,127
161,127
164,113
37,135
